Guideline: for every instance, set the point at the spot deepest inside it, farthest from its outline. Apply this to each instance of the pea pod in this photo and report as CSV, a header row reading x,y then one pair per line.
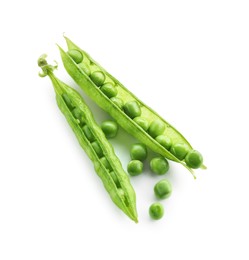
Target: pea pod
x,y
93,141
134,116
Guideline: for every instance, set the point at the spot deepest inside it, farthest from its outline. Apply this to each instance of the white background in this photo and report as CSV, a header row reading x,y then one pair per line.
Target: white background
x,y
189,61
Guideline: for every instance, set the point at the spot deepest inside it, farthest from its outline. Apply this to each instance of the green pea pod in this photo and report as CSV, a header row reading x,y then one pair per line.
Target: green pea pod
x,y
134,116
93,141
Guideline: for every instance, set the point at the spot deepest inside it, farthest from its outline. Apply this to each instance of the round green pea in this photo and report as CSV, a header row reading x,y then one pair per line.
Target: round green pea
x,y
132,109
109,90
115,178
194,159
97,149
135,167
156,211
142,122
75,55
117,101
98,77
138,152
159,165
163,189
88,133
156,128
105,162
165,141
110,128
85,68
179,150
68,101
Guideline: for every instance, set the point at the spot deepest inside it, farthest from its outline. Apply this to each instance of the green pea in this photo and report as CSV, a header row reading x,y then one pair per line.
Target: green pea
x,y
179,150
135,167
165,141
109,90
132,109
68,101
138,152
159,165
156,128
163,189
156,211
194,159
97,149
142,122
118,102
77,113
105,162
85,68
98,77
75,55
115,178
110,128
88,133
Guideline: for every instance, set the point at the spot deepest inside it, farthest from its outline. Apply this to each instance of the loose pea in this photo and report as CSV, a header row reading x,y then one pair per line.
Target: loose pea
x,y
67,101
194,159
110,128
85,68
105,162
156,128
118,102
88,133
109,90
135,167
138,152
142,122
156,211
163,189
132,109
98,77
159,165
165,141
76,55
97,149
179,150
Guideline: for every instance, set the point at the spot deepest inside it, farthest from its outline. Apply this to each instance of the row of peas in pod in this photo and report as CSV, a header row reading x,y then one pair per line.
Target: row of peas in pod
x,y
163,138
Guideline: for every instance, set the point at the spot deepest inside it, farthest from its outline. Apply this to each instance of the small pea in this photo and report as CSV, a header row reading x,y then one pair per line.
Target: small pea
x,y
165,141
110,128
135,167
115,178
109,90
68,101
132,109
142,122
163,189
98,77
138,152
156,211
97,149
179,150
118,102
88,133
85,68
159,165
194,159
75,55
105,162
156,128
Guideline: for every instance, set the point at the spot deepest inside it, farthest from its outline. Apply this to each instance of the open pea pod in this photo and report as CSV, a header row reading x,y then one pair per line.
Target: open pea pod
x,y
130,113
93,141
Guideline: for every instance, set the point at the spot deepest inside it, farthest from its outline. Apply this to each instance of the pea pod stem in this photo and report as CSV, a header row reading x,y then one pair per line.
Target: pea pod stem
x,y
124,119
106,163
